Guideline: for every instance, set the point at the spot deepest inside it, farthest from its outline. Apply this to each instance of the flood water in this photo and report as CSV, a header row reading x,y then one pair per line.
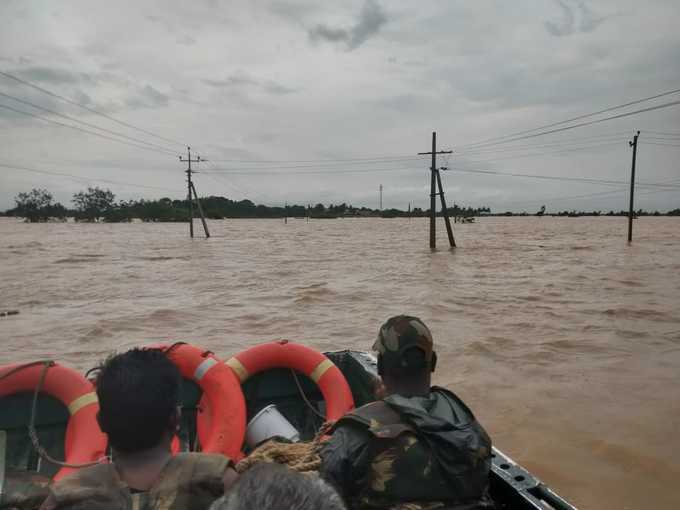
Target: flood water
x,y
564,340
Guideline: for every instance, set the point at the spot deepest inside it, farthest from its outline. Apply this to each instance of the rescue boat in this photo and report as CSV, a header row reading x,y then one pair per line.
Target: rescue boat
x,y
308,389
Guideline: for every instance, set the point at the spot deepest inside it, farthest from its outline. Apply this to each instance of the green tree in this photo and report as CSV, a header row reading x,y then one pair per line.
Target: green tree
x,y
93,203
35,206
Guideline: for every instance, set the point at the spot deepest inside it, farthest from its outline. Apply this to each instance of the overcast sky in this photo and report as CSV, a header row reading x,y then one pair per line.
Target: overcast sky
x,y
298,80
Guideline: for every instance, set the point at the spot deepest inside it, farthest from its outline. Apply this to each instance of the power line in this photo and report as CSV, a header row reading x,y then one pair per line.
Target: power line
x,y
86,179
86,131
540,145
548,153
661,144
661,133
591,195
582,124
556,178
229,171
579,117
85,123
323,165
662,139
247,192
378,159
92,110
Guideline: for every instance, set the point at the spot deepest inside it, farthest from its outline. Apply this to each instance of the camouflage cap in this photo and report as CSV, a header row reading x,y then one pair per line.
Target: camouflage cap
x,y
399,334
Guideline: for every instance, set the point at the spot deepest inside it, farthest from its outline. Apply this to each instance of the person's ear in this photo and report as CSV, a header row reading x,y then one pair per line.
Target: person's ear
x,y
433,362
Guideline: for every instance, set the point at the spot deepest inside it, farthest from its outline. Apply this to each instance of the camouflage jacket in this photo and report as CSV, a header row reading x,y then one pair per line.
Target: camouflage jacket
x,y
189,481
419,452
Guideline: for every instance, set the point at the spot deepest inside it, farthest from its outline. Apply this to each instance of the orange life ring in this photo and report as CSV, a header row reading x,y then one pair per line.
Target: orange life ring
x,y
222,425
84,442
316,366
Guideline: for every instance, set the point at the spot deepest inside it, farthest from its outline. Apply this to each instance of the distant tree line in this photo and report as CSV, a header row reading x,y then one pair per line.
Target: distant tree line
x,y
96,204
574,213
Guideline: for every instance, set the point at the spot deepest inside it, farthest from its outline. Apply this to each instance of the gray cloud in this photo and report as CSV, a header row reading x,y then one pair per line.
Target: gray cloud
x,y
235,80
371,18
52,75
147,97
566,25
588,21
277,89
186,40
242,80
81,97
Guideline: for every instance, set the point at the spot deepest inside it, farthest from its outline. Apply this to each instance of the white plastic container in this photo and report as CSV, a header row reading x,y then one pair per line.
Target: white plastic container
x,y
268,423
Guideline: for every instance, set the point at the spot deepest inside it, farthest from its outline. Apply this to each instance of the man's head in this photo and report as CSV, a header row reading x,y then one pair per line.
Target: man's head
x,y
275,486
405,352
138,393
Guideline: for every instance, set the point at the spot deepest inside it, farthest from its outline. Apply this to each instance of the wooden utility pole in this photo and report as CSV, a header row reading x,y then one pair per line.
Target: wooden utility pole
x,y
381,188
633,144
435,180
191,190
445,212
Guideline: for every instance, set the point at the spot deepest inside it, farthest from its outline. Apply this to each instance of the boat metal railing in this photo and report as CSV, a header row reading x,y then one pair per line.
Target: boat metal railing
x,y
524,485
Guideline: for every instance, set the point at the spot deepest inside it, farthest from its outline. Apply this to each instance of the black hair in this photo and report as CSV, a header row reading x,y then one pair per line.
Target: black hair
x,y
412,364
138,393
274,486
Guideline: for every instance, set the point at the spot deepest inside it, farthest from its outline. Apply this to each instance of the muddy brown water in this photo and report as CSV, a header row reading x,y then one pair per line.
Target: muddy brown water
x,y
563,340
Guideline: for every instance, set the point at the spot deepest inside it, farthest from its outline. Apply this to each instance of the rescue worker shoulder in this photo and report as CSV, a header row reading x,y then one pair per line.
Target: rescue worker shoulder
x,y
189,481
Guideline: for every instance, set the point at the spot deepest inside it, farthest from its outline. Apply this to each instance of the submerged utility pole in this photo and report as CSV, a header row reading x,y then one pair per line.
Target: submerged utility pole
x,y
633,144
435,180
191,189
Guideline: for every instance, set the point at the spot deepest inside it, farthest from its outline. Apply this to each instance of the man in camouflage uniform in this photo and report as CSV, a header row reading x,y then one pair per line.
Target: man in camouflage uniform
x,y
419,446
138,394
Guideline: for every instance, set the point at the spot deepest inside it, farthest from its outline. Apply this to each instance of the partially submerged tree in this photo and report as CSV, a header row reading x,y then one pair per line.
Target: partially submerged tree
x,y
36,205
93,203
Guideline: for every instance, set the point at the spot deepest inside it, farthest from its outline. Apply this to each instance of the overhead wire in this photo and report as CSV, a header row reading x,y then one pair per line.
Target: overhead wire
x,y
374,158
52,121
561,143
568,150
85,179
221,177
320,165
645,142
89,109
592,195
557,178
661,133
228,171
579,117
581,124
73,119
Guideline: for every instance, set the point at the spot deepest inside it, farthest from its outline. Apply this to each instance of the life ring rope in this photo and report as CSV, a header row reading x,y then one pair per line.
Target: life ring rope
x,y
283,354
73,407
